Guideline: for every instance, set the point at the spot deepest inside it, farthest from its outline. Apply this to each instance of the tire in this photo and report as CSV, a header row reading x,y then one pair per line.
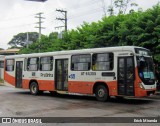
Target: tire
x,y
34,89
102,93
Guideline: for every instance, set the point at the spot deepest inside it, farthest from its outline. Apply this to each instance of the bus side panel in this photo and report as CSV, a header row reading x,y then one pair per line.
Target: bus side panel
x,y
46,85
82,87
9,79
87,87
113,89
25,84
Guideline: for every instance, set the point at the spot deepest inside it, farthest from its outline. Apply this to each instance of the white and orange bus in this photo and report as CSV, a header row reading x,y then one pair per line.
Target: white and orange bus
x,y
1,67
103,72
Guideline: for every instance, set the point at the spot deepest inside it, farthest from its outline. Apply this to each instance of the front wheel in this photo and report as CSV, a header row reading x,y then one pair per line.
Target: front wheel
x,y
102,93
34,89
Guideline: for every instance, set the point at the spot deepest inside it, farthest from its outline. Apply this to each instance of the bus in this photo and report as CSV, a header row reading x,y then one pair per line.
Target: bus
x,y
1,67
102,72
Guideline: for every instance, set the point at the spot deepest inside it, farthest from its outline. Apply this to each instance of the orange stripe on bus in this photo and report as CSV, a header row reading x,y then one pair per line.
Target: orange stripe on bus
x,y
87,87
9,79
46,85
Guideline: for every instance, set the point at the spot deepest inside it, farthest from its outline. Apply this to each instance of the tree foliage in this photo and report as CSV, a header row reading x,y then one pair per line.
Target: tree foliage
x,y
136,28
20,40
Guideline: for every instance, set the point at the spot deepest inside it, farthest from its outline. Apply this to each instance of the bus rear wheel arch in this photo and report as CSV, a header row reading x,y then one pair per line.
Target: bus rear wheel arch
x,y
34,89
101,91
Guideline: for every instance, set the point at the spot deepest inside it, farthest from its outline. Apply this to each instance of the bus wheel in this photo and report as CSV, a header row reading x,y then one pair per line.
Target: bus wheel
x,y
102,93
34,90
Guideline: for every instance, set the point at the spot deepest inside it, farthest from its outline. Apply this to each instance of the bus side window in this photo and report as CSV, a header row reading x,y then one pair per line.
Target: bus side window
x,y
94,57
102,61
81,62
10,65
46,63
33,64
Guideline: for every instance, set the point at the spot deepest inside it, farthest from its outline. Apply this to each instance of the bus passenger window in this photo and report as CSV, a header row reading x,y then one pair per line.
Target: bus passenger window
x,y
33,64
10,65
102,61
81,62
46,63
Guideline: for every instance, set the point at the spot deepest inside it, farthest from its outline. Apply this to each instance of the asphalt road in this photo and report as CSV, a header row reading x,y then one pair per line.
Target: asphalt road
x,y
20,103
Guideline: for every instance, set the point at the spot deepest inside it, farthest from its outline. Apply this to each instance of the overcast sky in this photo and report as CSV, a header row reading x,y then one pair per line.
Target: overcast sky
x,y
18,16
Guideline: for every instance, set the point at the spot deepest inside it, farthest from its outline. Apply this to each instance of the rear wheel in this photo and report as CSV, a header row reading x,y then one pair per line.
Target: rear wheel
x,y
34,89
102,93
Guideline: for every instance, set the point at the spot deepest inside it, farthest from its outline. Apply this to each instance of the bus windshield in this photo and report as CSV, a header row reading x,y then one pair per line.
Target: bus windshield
x,y
146,70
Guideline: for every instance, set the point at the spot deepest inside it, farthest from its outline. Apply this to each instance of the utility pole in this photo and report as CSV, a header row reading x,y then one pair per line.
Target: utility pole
x,y
27,39
39,16
64,20
104,7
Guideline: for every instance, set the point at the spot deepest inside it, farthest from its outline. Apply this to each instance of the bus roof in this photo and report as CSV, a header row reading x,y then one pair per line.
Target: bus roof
x,y
80,51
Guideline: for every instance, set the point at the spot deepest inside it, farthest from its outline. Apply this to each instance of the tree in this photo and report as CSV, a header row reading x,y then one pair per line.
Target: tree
x,y
136,28
122,6
20,40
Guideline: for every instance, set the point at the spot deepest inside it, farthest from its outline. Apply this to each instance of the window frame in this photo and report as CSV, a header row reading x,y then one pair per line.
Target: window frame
x,y
51,63
10,65
112,62
28,64
82,62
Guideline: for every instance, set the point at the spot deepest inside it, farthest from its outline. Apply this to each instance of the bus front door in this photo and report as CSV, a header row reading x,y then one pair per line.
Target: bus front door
x,y
126,76
19,68
61,75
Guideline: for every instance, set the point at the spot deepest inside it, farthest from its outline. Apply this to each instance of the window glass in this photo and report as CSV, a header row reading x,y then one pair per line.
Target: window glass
x,y
1,64
102,61
46,63
33,64
10,65
81,62
33,61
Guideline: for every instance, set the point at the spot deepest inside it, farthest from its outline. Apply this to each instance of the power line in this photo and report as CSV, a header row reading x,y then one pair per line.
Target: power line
x,y
84,13
64,20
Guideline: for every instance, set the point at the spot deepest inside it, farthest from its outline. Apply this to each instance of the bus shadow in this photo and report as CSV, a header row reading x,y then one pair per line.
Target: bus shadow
x,y
131,101
135,101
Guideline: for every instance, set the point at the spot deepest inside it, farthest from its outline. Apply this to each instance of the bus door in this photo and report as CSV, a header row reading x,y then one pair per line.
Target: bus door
x,y
19,68
126,76
61,74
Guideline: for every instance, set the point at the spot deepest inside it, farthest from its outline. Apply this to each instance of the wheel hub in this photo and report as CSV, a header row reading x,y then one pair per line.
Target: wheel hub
x,y
34,89
101,93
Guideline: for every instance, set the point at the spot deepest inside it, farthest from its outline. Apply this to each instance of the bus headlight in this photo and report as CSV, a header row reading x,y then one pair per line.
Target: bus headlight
x,y
141,85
